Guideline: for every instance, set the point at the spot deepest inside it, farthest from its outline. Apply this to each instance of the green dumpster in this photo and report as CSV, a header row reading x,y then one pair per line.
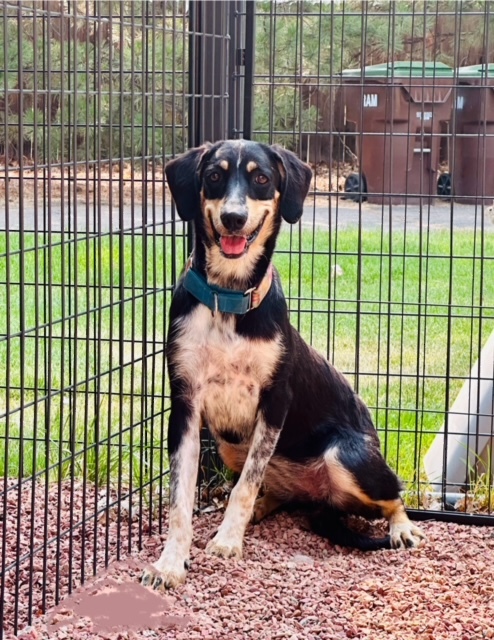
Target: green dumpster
x,y
472,154
399,112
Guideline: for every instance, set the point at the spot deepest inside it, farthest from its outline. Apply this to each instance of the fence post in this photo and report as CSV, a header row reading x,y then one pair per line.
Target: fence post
x,y
209,43
241,75
250,35
208,70
236,62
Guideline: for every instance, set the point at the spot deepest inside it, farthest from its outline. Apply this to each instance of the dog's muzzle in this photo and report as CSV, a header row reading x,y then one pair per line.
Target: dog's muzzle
x,y
236,245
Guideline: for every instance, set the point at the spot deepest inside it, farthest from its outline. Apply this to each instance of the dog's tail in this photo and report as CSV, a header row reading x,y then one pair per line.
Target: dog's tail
x,y
328,523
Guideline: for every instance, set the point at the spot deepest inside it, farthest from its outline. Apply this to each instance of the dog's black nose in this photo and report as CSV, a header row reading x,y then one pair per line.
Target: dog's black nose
x,y
233,221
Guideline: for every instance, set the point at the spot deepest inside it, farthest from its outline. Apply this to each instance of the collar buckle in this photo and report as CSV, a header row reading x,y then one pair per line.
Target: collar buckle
x,y
250,293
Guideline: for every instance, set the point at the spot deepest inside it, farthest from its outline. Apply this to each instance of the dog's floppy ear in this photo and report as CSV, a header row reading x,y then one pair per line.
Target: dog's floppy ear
x,y
295,183
182,174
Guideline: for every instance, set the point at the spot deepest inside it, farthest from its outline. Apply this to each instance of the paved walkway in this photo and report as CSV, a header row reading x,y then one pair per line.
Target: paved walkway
x,y
338,213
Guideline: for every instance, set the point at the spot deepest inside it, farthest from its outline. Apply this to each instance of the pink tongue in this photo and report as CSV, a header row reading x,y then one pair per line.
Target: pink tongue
x,y
233,245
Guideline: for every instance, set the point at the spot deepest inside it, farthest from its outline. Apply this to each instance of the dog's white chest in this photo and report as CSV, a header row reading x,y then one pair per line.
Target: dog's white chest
x,y
225,371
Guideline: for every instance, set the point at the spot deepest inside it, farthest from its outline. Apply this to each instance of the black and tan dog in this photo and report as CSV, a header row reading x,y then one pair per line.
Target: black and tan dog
x,y
281,415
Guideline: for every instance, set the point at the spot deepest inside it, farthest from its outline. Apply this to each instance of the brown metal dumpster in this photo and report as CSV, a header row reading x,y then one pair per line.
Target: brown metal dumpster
x,y
472,154
399,111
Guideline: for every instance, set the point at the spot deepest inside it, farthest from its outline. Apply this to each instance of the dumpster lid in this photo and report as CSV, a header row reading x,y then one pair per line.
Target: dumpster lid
x,y
403,69
478,71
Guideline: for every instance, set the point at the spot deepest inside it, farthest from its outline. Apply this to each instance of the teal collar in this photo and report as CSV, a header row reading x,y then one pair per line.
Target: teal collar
x,y
225,300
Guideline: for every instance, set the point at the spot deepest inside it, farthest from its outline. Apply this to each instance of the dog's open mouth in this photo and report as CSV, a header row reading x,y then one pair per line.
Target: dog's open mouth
x,y
235,246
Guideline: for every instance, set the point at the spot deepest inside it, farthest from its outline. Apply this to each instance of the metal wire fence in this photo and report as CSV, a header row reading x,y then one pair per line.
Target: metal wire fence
x,y
390,273
93,102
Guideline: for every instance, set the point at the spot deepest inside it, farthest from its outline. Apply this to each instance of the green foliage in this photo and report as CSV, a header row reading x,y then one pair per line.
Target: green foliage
x,y
115,92
121,76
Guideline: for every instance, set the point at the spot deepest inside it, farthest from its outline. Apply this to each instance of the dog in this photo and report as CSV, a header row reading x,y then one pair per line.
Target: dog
x,y
283,418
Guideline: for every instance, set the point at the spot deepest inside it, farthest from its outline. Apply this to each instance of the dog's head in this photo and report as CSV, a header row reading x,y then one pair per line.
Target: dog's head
x,y
236,192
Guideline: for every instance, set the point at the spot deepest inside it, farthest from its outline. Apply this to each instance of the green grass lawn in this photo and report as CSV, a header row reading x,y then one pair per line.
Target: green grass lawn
x,y
404,322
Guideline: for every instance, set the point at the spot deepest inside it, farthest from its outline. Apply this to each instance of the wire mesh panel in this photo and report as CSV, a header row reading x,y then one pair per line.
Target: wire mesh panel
x,y
390,273
391,270
93,100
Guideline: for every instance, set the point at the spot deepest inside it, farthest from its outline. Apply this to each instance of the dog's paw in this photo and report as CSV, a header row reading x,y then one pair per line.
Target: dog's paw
x,y
405,535
222,549
260,510
264,506
164,577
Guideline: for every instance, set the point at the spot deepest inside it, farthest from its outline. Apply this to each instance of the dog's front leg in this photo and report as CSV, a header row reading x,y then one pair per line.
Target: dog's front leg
x,y
227,543
183,448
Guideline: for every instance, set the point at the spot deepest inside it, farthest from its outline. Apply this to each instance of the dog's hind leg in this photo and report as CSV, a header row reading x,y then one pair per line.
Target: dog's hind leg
x,y
264,506
360,479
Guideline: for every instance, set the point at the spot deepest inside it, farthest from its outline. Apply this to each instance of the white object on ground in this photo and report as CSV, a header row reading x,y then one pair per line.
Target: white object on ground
x,y
470,428
336,271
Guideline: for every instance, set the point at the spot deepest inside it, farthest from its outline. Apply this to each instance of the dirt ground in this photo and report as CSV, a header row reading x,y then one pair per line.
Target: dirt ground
x,y
105,183
109,183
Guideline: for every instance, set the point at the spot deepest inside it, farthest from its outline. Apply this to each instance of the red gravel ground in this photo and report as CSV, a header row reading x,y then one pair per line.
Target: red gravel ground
x,y
290,584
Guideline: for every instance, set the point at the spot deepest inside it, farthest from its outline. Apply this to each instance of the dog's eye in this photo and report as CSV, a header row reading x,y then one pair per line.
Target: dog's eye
x,y
214,176
262,179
